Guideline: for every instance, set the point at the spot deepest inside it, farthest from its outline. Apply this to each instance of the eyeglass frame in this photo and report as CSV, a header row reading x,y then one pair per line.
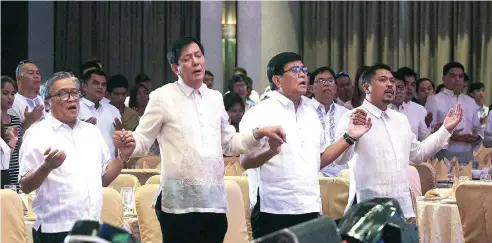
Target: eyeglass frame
x,y
69,95
324,81
304,69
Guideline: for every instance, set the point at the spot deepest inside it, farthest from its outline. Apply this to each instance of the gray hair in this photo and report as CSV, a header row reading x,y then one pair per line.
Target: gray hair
x,y
46,87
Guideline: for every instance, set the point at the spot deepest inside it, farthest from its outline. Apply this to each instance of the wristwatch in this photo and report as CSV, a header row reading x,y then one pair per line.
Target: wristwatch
x,y
350,140
255,134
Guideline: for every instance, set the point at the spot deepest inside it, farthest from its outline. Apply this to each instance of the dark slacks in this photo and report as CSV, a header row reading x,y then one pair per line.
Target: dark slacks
x,y
191,227
40,237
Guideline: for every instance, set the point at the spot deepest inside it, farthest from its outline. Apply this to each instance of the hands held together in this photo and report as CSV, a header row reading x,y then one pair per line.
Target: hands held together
x,y
123,140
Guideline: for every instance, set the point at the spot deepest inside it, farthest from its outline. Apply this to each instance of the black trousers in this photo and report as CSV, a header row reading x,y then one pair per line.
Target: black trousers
x,y
265,223
191,227
40,237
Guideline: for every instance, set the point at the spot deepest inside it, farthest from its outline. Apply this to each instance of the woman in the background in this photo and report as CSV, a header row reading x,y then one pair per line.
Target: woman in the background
x,y
139,97
9,121
425,87
8,141
477,92
358,94
252,94
238,85
234,105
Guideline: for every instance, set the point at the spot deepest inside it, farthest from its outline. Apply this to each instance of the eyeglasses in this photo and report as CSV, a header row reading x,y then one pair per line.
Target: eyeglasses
x,y
340,74
324,81
65,96
297,69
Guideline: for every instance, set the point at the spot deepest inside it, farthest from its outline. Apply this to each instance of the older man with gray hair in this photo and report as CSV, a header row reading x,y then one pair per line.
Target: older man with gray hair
x,y
67,161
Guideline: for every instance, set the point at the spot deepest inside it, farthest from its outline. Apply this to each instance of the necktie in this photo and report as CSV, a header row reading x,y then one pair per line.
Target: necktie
x,y
332,123
321,117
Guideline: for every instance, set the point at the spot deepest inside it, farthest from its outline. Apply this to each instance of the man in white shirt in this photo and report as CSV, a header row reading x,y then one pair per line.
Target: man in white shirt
x,y
415,113
28,105
288,173
92,109
469,131
329,112
67,162
487,141
193,131
378,167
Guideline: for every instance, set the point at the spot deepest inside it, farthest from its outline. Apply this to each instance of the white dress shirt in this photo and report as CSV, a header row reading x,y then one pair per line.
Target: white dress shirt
x,y
288,181
415,114
72,191
20,103
332,169
192,127
487,141
441,103
5,155
105,115
378,167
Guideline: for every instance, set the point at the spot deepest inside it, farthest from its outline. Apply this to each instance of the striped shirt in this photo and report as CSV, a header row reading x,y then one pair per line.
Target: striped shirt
x,y
14,158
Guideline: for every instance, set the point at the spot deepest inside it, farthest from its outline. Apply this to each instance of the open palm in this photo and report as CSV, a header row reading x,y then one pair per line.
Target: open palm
x,y
359,124
453,118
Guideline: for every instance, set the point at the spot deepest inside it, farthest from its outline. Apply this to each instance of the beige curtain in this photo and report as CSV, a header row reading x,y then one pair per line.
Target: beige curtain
x,y
129,37
422,35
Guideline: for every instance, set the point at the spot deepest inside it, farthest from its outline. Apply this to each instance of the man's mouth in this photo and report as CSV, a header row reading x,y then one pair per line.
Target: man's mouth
x,y
197,72
72,107
303,83
389,91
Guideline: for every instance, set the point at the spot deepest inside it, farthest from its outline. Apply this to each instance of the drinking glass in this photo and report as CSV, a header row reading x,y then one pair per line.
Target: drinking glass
x,y
128,200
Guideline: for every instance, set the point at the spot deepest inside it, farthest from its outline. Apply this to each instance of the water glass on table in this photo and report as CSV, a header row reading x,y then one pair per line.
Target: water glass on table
x,y
128,200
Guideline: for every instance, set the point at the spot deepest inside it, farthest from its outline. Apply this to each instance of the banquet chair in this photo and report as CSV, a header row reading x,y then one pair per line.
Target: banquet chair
x,y
414,181
427,176
12,217
156,179
345,173
125,180
237,231
334,196
112,208
148,162
149,226
232,166
242,181
474,200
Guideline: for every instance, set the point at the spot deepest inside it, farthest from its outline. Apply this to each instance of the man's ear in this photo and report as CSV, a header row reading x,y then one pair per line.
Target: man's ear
x,y
276,81
367,88
47,105
176,69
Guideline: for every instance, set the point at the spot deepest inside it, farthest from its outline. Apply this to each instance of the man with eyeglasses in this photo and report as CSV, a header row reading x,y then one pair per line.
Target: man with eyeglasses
x,y
287,177
67,162
28,105
415,113
345,88
329,112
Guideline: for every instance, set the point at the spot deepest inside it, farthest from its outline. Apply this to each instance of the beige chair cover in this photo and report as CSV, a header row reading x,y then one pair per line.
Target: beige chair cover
x,y
150,229
242,181
237,231
334,196
12,213
427,176
414,181
345,173
232,166
154,180
474,201
125,180
112,208
148,162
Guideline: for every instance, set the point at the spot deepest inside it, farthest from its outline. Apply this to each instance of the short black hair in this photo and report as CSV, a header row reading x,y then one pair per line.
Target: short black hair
x,y
467,78
475,86
451,65
371,71
235,79
421,80
277,63
209,73
89,73
7,79
439,88
117,81
142,77
320,70
240,69
177,47
231,98
400,76
407,72
87,65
